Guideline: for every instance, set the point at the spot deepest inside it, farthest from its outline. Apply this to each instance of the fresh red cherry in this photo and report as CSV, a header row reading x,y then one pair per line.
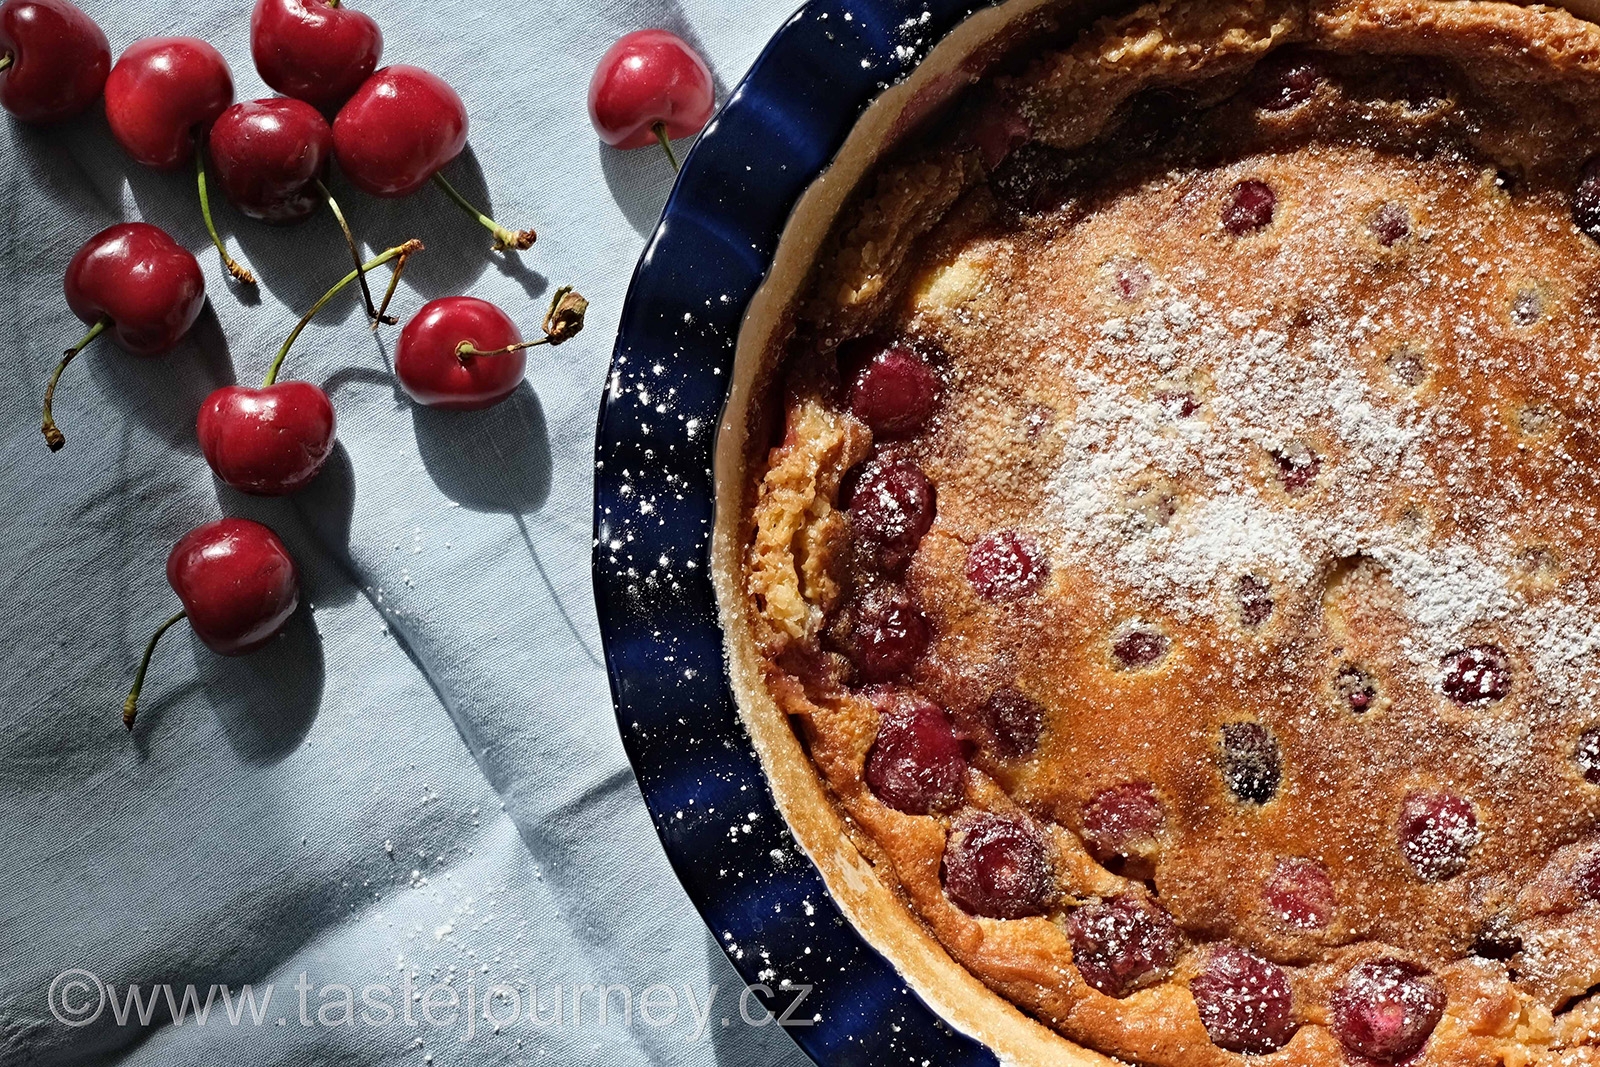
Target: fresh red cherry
x,y
429,364
463,354
53,60
271,156
273,440
162,92
400,129
161,99
314,50
403,126
136,281
238,585
649,88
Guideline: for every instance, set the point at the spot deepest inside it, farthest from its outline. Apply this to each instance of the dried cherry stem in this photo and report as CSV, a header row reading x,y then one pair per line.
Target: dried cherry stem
x,y
240,274
562,323
400,252
660,130
53,436
130,707
355,256
394,282
504,239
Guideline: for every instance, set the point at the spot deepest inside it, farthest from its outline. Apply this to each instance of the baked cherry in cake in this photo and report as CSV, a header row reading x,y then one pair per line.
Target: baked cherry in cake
x,y
1123,821
997,866
1176,535
916,763
1586,199
895,392
1588,755
891,509
1006,565
1249,207
1386,1009
1285,81
888,635
1123,944
1011,723
1300,895
1438,832
1251,762
1245,1002
1476,675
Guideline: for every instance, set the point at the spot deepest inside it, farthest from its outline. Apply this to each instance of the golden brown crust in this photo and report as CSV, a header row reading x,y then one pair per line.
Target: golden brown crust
x,y
1445,383
793,565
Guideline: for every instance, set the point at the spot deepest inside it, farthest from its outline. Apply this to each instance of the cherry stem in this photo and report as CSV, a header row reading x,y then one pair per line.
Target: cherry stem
x,y
504,239
355,256
394,283
6,61
466,351
660,130
400,252
53,436
130,707
240,274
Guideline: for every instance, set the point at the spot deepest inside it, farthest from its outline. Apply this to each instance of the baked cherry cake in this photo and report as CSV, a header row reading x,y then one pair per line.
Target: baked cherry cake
x,y
1177,547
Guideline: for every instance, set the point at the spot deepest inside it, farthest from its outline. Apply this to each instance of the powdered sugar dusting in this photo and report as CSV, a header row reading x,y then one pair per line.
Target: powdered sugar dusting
x,y
1290,399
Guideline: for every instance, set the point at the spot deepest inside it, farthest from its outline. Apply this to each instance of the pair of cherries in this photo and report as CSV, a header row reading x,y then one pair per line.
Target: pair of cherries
x,y
458,353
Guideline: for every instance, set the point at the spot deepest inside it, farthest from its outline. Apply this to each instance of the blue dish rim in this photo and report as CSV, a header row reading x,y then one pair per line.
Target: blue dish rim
x,y
700,775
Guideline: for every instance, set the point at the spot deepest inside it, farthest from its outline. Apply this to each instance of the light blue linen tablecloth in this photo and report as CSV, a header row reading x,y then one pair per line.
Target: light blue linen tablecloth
x,y
421,782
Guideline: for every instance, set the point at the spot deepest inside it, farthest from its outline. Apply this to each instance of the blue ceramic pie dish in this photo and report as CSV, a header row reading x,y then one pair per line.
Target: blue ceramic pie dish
x,y
699,772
